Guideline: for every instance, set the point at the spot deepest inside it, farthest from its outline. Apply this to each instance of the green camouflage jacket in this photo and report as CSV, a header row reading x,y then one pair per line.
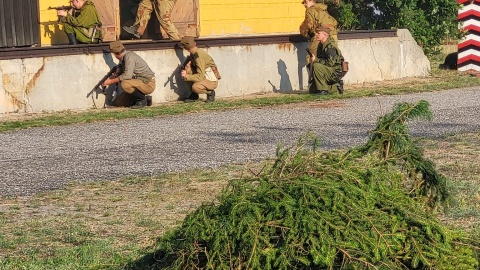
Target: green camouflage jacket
x,y
84,21
329,54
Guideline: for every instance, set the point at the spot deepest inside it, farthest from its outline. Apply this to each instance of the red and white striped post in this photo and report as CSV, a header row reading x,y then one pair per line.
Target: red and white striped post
x,y
469,47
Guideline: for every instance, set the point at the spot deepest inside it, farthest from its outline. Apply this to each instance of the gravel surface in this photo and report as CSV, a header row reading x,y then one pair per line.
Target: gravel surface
x,y
40,159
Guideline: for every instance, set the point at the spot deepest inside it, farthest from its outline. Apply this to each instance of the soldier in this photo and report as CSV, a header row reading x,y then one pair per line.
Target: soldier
x,y
134,75
327,62
81,23
315,15
199,70
163,10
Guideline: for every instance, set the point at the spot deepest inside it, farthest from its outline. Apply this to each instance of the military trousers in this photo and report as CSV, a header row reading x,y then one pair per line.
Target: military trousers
x,y
163,10
129,86
326,78
83,35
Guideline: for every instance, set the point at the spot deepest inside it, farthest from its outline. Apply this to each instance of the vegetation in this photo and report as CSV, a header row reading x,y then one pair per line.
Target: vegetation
x,y
114,224
430,22
314,210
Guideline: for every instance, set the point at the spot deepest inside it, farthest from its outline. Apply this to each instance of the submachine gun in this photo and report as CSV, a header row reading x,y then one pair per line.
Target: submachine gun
x,y
99,84
60,8
66,8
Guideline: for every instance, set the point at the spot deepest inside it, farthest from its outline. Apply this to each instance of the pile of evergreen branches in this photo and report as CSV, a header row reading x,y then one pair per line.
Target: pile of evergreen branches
x,y
367,208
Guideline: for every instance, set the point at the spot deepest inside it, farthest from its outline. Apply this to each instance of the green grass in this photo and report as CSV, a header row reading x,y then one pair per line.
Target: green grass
x,y
439,80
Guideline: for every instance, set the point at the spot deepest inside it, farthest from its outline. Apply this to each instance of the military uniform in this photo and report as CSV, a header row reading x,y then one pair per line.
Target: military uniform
x,y
163,9
200,73
136,74
84,24
317,15
327,66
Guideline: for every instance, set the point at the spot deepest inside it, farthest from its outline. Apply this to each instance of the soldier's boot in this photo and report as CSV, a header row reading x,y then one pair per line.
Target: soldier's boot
x,y
192,98
72,40
132,30
340,87
312,89
210,96
140,100
149,100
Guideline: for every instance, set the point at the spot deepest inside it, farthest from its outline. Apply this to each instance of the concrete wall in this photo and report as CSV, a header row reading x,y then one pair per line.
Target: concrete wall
x,y
63,82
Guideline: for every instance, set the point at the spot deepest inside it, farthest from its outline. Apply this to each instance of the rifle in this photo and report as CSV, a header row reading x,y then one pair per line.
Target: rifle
x,y
184,65
99,84
66,8
310,71
60,8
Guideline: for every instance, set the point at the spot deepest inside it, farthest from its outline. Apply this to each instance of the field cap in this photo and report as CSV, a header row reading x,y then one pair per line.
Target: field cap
x,y
116,46
188,42
322,29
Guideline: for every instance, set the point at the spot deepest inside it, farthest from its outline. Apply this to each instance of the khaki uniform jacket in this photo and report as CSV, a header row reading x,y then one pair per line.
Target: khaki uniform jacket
x,y
134,67
318,15
201,64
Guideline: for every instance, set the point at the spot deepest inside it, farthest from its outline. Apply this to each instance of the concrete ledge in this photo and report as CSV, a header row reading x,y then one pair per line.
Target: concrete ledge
x,y
63,82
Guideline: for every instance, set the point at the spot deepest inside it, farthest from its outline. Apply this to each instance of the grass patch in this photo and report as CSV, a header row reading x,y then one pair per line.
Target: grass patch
x,y
439,80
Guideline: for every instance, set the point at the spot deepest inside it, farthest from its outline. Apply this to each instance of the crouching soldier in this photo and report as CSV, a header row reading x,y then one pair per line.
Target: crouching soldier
x,y
327,63
199,71
134,75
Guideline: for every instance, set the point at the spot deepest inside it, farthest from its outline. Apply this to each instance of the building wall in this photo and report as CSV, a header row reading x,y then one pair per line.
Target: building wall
x,y
245,17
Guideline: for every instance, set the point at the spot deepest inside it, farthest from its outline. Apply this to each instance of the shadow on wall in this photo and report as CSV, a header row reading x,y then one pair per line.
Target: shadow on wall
x,y
285,83
175,80
57,35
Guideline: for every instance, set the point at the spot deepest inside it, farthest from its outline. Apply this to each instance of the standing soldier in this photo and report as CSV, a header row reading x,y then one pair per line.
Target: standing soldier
x,y
316,15
163,10
199,70
81,23
327,62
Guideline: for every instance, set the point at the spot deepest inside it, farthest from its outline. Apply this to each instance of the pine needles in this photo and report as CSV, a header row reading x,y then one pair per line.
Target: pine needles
x,y
314,210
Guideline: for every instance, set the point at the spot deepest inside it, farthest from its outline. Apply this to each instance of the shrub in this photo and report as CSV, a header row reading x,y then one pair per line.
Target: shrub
x,y
327,210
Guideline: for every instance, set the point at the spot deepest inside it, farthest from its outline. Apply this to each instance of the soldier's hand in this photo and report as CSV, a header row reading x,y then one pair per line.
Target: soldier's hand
x,y
62,13
183,73
312,58
107,82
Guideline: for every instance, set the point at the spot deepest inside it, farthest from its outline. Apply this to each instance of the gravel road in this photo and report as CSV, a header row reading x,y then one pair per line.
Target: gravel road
x,y
40,159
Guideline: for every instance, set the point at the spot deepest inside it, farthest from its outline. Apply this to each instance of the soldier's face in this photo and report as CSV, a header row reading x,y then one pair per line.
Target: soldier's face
x,y
308,3
77,4
321,36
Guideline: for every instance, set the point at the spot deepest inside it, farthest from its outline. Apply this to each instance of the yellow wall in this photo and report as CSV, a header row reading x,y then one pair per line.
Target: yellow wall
x,y
217,18
51,32
235,17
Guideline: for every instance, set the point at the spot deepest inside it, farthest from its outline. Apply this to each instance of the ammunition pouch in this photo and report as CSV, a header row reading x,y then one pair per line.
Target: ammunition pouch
x,y
344,67
216,72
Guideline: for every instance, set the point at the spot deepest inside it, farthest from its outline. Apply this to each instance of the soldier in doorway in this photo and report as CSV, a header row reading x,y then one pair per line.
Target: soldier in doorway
x,y
81,23
199,71
316,15
163,10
